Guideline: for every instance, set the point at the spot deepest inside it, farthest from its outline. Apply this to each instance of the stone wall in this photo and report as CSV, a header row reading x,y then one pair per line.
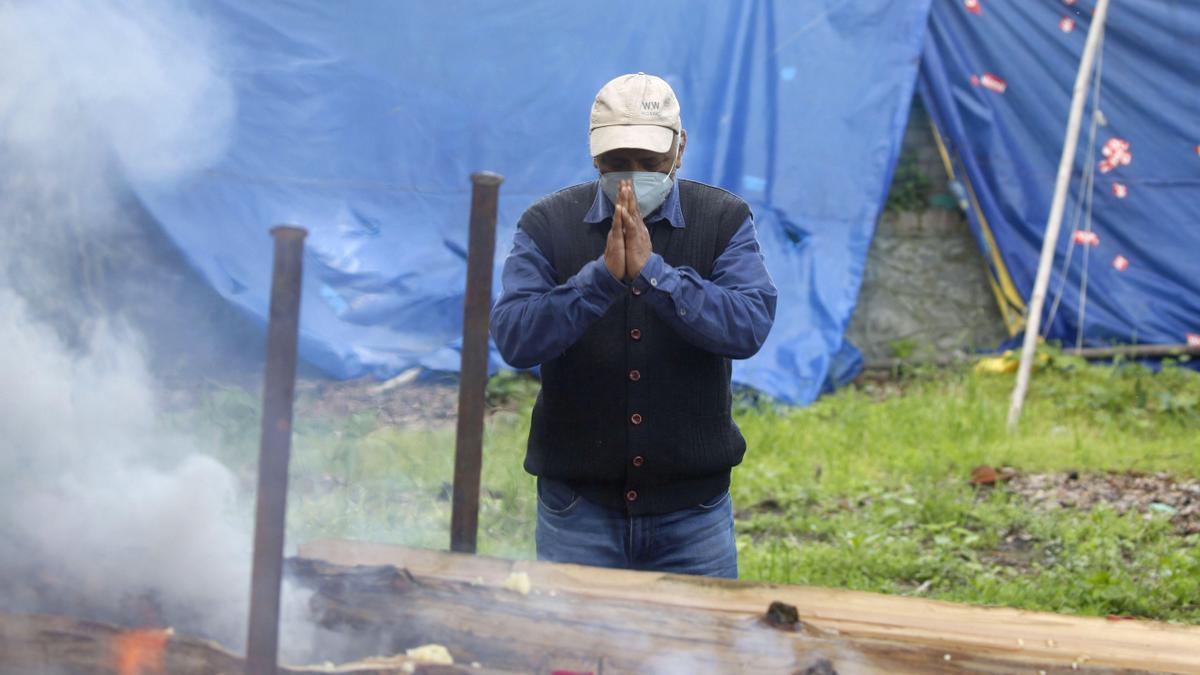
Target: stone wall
x,y
925,290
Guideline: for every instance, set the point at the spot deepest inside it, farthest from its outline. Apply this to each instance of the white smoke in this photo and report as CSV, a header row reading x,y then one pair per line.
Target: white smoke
x,y
100,501
100,505
82,83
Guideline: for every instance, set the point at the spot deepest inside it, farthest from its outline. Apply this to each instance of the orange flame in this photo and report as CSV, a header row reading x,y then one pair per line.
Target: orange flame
x,y
140,652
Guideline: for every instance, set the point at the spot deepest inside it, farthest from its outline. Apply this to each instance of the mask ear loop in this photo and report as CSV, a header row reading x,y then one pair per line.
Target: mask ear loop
x,y
675,159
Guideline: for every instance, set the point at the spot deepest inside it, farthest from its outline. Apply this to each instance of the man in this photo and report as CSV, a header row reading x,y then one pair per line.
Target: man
x,y
633,292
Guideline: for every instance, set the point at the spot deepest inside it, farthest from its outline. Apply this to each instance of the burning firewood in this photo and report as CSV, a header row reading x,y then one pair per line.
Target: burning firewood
x,y
34,643
369,617
140,651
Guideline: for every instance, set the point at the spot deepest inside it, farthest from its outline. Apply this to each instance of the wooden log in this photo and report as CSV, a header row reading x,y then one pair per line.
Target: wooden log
x,y
543,633
1135,351
34,643
589,620
626,620
38,644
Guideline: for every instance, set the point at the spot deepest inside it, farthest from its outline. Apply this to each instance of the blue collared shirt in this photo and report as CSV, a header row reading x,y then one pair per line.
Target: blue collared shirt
x,y
729,313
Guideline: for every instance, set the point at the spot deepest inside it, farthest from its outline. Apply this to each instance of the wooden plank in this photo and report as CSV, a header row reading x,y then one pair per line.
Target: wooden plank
x,y
1022,636
386,608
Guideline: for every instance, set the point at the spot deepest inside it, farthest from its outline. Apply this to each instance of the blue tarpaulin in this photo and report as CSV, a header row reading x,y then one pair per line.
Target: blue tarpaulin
x,y
362,122
997,79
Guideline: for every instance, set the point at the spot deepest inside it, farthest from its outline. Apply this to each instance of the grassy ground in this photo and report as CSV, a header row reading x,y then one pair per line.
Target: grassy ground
x,y
871,494
866,489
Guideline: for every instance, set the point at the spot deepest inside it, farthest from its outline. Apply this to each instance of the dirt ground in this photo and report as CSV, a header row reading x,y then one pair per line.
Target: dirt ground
x,y
1146,494
400,402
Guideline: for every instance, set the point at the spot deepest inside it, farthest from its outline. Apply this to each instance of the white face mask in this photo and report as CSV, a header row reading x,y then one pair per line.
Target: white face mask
x,y
650,187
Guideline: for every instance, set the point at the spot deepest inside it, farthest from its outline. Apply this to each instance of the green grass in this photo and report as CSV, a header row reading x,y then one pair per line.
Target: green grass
x,y
866,489
356,478
854,492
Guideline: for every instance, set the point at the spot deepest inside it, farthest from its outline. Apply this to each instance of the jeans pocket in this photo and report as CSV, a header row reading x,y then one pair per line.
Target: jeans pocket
x,y
556,497
714,502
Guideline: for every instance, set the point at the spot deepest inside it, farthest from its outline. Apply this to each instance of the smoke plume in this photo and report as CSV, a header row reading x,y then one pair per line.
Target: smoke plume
x,y
104,513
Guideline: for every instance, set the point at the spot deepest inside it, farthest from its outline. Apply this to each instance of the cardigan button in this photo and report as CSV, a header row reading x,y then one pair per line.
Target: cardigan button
x,y
635,334
639,460
635,418
631,496
635,375
637,291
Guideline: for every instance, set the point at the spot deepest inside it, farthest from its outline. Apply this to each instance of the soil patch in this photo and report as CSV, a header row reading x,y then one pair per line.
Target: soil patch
x,y
400,402
1147,494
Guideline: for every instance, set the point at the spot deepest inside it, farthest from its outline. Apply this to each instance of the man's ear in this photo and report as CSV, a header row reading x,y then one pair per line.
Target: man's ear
x,y
682,147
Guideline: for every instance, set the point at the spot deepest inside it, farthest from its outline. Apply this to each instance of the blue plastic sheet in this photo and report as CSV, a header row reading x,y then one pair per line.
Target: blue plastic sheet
x,y
997,79
362,121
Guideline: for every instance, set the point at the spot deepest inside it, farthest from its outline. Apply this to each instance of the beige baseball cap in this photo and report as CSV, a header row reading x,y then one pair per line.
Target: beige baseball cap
x,y
634,111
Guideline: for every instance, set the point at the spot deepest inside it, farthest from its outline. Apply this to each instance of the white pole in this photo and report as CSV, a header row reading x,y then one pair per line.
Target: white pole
x,y
1033,319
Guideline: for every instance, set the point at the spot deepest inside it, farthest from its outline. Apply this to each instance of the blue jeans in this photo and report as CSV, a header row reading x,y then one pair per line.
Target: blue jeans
x,y
697,540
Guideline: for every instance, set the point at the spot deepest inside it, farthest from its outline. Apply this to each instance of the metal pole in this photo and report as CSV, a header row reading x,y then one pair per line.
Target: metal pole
x,y
279,385
472,383
1033,319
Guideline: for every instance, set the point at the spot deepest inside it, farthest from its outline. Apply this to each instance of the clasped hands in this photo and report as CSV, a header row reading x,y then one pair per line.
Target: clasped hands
x,y
628,247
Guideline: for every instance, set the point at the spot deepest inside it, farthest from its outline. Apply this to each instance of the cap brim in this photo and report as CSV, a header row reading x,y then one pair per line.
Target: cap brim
x,y
641,136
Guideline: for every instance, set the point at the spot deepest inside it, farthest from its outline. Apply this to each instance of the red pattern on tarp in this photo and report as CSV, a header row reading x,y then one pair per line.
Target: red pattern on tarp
x,y
993,82
1116,153
1086,237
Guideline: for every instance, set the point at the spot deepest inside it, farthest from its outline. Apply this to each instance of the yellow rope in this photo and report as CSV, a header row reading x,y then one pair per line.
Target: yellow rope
x,y
1009,301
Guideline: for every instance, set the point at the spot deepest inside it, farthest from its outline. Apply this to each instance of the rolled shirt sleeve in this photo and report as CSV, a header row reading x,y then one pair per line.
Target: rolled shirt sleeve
x,y
730,313
536,319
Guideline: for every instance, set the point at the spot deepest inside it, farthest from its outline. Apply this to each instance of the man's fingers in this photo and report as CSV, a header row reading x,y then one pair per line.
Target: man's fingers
x,y
631,203
631,231
614,250
632,212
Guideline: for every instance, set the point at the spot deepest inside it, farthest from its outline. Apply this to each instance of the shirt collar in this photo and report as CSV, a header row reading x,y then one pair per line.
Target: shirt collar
x,y
670,210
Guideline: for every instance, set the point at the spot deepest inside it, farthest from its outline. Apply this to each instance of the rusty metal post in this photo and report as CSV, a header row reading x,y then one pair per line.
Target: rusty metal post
x,y
472,381
279,385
